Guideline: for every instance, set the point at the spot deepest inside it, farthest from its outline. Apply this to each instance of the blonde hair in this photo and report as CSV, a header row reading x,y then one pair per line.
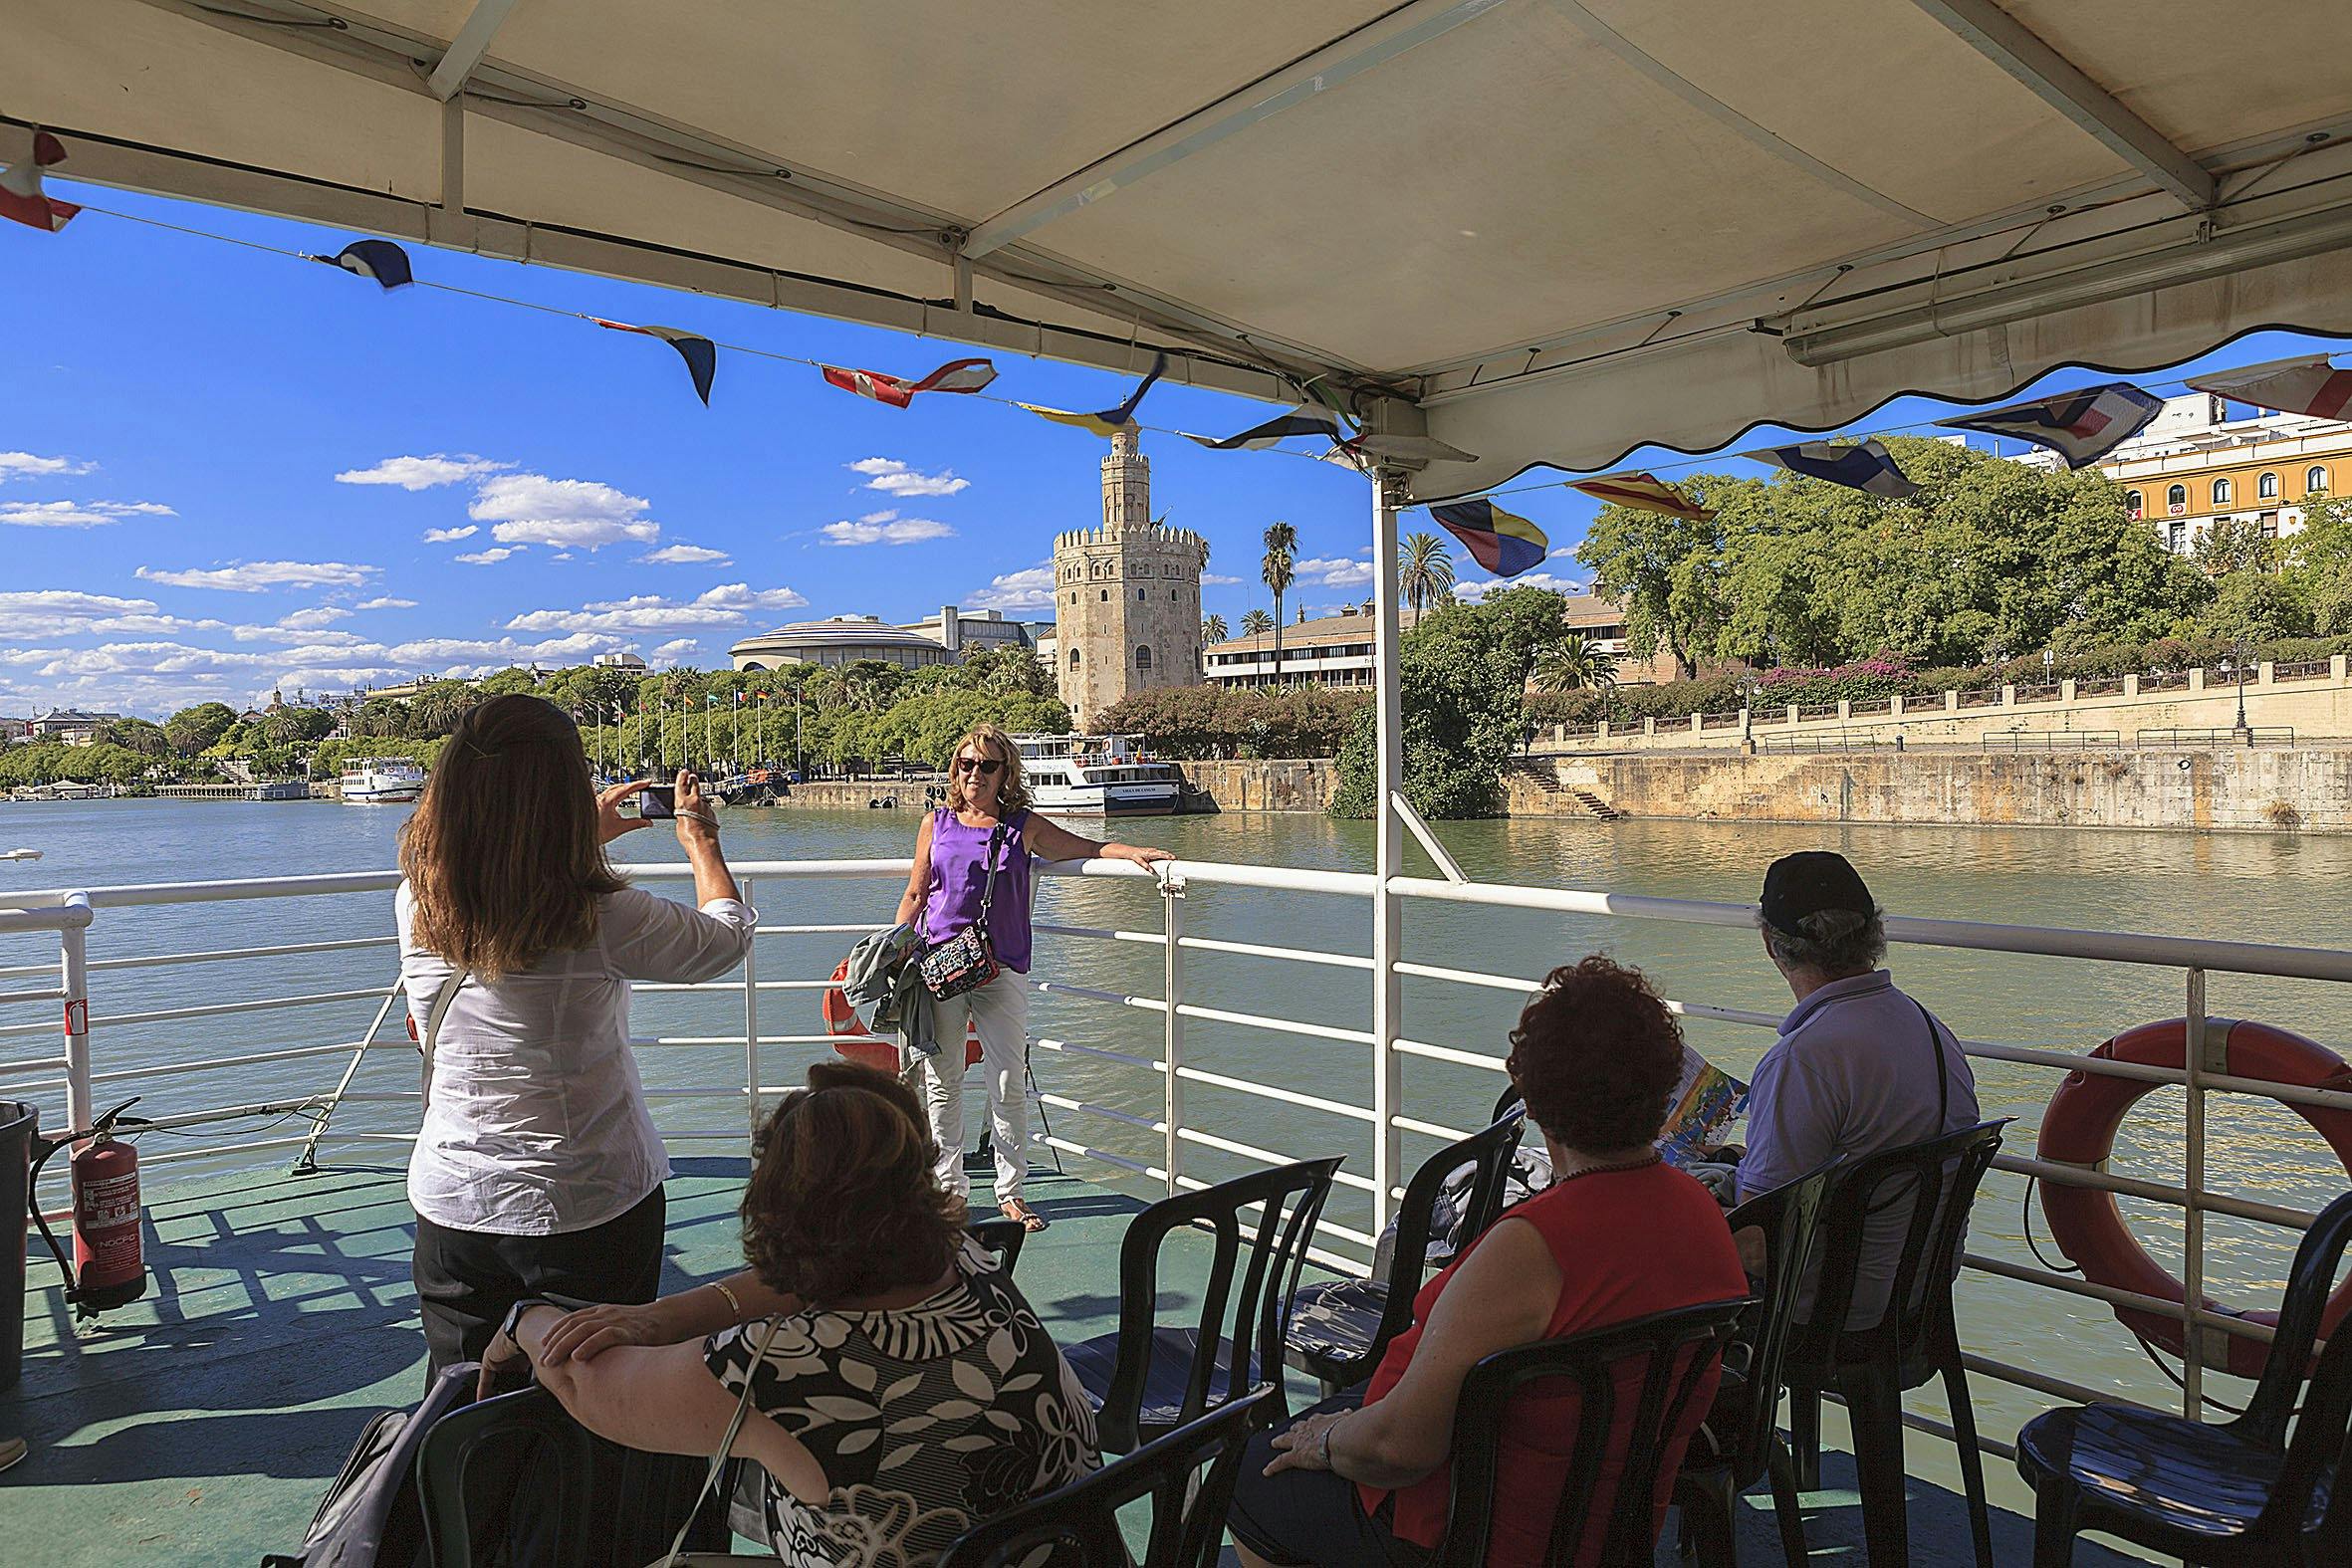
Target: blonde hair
x,y
1013,793
503,857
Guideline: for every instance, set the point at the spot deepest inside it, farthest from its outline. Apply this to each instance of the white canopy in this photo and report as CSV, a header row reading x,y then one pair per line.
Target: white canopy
x,y
1555,230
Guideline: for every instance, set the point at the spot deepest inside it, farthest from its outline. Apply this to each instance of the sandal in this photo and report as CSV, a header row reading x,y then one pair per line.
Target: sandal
x,y
1018,1208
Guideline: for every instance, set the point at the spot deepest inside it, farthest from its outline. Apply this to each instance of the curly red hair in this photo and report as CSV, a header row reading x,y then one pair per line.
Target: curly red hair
x,y
1596,1056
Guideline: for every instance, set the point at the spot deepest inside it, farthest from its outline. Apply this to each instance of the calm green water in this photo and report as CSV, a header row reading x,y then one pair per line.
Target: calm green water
x,y
2257,888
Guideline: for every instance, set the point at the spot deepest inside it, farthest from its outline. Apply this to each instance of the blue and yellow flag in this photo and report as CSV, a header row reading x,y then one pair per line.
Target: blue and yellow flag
x,y
1111,421
1501,541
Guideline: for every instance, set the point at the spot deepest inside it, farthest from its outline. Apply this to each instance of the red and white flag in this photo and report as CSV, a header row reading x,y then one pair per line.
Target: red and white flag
x,y
1643,493
957,375
21,197
2292,386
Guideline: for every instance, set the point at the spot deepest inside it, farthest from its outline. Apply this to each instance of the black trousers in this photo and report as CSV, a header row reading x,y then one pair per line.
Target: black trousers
x,y
468,1280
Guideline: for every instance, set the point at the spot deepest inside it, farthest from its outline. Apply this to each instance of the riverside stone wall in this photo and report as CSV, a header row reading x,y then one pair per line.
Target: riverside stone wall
x,y
1242,786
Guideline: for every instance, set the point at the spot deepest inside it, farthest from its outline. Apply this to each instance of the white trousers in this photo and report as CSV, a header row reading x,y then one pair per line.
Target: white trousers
x,y
1000,1009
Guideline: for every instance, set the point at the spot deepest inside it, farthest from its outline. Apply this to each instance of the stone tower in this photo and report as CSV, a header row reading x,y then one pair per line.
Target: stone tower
x,y
1126,595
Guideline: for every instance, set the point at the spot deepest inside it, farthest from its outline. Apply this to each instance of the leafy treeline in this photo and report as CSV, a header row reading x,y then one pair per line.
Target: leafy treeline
x,y
1197,722
1991,560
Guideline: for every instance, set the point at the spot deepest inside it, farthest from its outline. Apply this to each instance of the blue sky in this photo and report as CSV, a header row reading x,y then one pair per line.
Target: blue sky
x,y
227,470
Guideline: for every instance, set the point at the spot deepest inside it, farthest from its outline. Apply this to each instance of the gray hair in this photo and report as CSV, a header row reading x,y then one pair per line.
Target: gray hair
x,y
1832,941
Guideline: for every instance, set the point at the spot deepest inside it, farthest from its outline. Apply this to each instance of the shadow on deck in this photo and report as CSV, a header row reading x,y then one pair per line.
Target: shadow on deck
x,y
201,1425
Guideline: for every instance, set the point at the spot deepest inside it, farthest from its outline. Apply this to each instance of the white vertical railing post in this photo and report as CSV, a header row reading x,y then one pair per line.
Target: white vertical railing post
x,y
1172,1031
751,1017
1388,915
2193,1217
73,981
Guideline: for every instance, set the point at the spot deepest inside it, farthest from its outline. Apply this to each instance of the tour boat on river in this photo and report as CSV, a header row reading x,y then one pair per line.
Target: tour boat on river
x,y
381,781
1098,776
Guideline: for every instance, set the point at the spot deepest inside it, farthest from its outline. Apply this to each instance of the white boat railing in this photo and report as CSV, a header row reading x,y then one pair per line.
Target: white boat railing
x,y
59,994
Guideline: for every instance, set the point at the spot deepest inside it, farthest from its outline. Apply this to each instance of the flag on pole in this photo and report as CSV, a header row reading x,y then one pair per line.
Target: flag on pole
x,y
1501,541
2292,386
2080,427
957,375
380,259
1643,493
1868,466
1297,422
21,195
1111,421
700,355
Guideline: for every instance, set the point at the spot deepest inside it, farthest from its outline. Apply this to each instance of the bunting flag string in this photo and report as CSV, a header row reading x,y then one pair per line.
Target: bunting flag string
x,y
1643,493
1503,542
21,195
380,259
1866,466
2080,427
1111,421
2292,386
1301,421
957,375
699,352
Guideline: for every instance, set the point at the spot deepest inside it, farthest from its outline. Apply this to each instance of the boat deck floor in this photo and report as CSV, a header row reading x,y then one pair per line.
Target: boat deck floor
x,y
201,1425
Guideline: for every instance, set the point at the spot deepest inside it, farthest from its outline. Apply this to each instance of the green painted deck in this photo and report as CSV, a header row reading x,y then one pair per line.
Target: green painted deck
x,y
200,1426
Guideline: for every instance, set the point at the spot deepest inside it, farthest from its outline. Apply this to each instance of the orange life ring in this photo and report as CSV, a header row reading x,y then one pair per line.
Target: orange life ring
x,y
853,1040
2079,1128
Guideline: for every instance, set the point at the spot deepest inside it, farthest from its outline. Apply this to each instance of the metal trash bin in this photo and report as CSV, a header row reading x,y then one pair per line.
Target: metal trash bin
x,y
19,1124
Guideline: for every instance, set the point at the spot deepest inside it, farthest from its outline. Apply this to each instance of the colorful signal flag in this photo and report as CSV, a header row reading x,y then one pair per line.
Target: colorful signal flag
x,y
1866,466
699,352
2080,427
1309,421
21,195
2292,386
957,375
1643,493
378,260
1111,421
1503,542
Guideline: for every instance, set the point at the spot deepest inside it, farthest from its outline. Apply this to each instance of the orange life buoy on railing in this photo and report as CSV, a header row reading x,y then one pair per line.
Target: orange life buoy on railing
x,y
2079,1128
861,1045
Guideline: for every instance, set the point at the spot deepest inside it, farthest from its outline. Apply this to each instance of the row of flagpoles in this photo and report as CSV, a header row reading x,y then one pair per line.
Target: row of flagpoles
x,y
2080,426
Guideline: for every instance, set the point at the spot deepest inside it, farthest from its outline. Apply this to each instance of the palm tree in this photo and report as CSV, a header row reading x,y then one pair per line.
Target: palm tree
x,y
1256,624
1425,570
1213,629
1575,663
1280,570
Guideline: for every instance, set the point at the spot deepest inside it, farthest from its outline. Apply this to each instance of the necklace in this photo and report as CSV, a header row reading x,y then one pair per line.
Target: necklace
x,y
1604,1170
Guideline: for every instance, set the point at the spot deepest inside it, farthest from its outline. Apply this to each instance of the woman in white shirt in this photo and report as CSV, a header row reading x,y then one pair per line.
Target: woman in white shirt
x,y
536,1170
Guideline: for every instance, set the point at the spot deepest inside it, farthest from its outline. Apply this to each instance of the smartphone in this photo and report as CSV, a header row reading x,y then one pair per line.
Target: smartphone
x,y
658,802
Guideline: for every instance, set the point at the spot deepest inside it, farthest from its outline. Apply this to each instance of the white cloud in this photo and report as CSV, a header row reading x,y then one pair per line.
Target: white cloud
x,y
387,602
1031,589
420,472
1472,592
54,613
686,555
24,465
531,508
77,514
893,478
1210,579
675,650
728,605
885,528
491,557
1335,572
297,627
259,576
450,536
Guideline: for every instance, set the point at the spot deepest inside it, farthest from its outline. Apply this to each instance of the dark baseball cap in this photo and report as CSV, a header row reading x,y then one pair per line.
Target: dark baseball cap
x,y
1806,884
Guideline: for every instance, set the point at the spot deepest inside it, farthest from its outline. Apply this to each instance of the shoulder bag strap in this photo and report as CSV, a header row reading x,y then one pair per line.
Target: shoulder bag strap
x,y
432,1025
988,888
710,1480
1943,1087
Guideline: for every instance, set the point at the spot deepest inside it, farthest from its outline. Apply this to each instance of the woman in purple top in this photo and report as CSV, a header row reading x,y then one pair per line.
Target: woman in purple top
x,y
985,792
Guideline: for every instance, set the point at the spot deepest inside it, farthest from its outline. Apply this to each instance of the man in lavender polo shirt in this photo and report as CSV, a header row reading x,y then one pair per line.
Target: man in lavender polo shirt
x,y
1859,1066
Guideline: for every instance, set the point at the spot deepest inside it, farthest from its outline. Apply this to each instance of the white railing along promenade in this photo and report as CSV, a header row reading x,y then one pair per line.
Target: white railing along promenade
x,y
55,1027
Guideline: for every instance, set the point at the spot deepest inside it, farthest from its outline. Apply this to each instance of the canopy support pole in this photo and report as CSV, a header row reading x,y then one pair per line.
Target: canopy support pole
x,y
471,43
1388,913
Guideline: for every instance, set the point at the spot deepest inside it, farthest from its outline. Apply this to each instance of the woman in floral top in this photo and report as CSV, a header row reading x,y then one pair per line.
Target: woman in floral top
x,y
902,1389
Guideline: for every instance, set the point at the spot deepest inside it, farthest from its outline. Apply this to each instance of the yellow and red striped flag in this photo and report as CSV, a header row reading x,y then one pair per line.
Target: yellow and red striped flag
x,y
1643,493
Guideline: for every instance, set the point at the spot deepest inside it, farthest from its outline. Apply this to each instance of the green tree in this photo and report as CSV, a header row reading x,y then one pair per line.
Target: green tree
x,y
2254,606
1425,570
1214,629
143,735
1256,624
1279,570
194,729
436,709
2233,545
288,727
1665,571
1575,663
509,681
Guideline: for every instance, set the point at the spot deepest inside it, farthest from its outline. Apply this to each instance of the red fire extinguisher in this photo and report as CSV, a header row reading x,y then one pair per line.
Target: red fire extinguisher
x,y
108,1268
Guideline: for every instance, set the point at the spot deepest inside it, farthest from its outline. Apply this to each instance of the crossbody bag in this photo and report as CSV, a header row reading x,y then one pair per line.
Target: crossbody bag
x,y
966,962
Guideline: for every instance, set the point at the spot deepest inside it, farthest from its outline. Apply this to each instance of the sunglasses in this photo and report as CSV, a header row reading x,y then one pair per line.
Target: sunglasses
x,y
986,766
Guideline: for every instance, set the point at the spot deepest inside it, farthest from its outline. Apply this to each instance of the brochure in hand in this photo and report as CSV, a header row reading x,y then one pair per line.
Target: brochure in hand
x,y
1706,1101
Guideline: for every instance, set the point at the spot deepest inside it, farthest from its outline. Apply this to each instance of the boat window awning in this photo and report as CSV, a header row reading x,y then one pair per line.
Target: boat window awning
x,y
1558,230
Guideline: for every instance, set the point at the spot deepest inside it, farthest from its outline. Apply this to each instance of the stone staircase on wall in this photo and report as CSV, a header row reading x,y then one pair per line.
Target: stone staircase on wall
x,y
1542,776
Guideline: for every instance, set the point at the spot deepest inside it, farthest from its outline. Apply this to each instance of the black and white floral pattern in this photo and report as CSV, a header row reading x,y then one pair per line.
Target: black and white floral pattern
x,y
925,1419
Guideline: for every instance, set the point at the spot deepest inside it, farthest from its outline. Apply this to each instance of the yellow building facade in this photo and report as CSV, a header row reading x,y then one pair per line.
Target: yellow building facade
x,y
2195,467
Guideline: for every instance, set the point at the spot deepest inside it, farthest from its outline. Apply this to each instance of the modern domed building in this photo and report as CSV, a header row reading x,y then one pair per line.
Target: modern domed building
x,y
841,639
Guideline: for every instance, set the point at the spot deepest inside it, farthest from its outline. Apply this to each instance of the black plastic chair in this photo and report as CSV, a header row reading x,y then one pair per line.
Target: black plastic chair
x,y
1001,1235
1741,1441
1670,1352
1147,1380
518,1468
1189,1476
1870,1368
1341,1328
2232,1492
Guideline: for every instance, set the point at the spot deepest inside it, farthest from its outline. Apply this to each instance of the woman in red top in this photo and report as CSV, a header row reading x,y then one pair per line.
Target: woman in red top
x,y
1364,1478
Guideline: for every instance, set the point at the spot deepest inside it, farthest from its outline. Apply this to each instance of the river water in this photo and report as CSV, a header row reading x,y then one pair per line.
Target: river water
x,y
2263,888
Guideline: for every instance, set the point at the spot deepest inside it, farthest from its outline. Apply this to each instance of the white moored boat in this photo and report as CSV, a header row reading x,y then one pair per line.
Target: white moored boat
x,y
381,780
1098,776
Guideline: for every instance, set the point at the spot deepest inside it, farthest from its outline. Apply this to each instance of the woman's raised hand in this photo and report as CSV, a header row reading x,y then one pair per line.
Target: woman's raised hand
x,y
611,824
697,821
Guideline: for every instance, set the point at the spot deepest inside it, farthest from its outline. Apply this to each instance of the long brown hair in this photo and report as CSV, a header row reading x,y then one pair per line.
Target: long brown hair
x,y
844,1201
1013,795
503,857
